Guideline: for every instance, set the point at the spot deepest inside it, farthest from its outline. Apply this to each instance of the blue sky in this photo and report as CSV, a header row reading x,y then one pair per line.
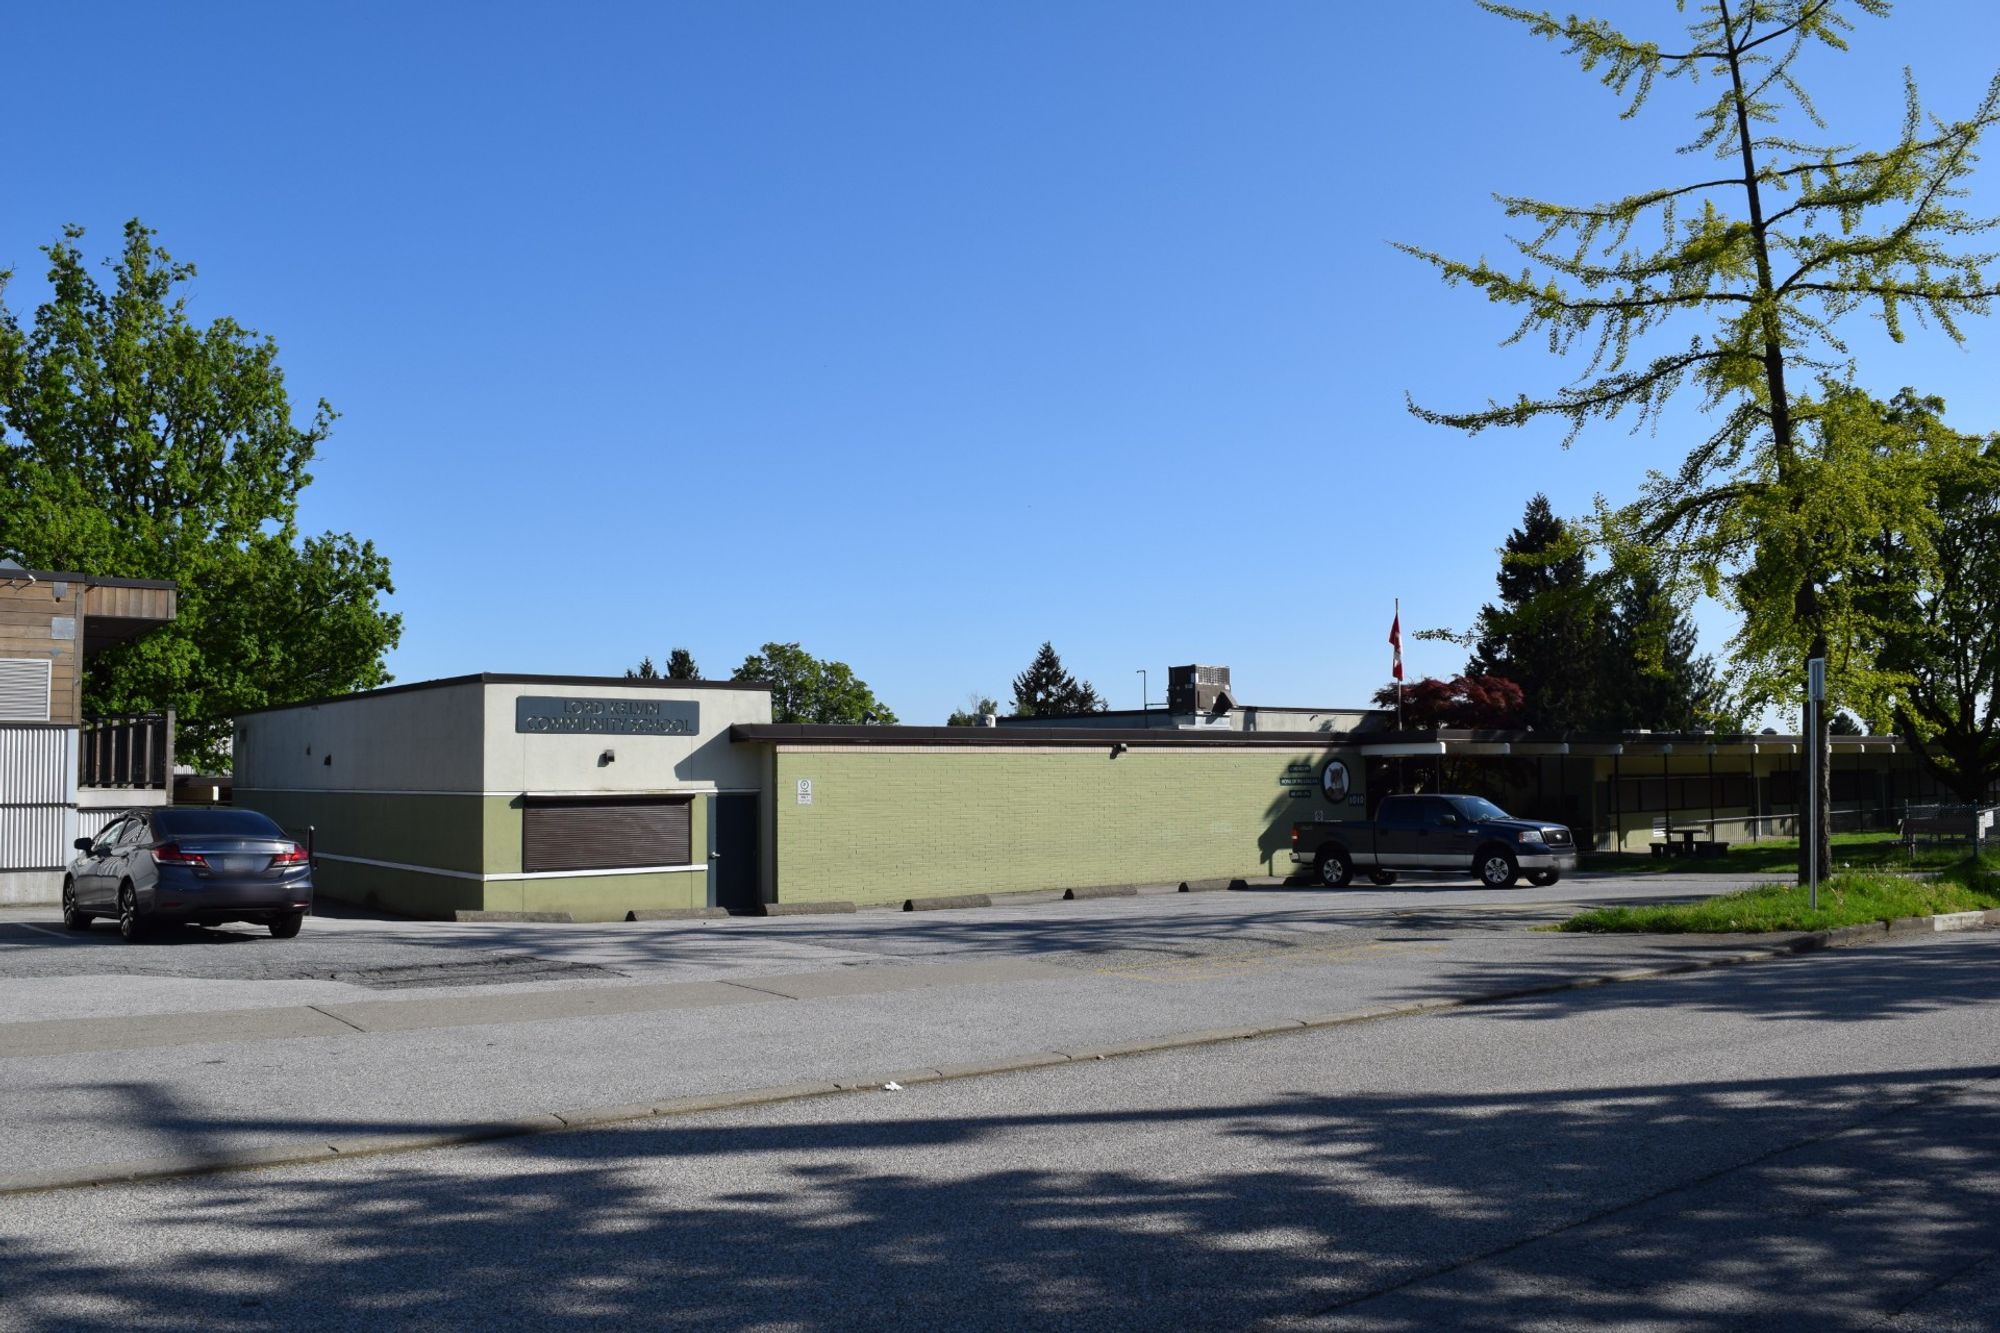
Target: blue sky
x,y
917,334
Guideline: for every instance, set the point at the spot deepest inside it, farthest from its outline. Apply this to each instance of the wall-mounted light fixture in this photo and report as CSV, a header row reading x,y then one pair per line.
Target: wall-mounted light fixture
x,y
608,757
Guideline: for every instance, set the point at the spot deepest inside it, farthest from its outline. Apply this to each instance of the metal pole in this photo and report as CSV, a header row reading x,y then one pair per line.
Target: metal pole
x,y
1617,805
1815,692
1711,791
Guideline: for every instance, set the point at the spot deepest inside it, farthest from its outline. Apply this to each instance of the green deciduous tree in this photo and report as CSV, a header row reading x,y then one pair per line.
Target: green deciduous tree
x,y
1045,689
138,444
1767,255
805,689
1939,602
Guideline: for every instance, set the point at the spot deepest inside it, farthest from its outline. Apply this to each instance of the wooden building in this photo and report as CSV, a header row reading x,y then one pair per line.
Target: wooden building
x,y
63,772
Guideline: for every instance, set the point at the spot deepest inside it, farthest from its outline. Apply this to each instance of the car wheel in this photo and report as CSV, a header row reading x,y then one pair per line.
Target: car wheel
x,y
131,926
1541,879
72,918
1497,869
286,926
1384,877
1333,869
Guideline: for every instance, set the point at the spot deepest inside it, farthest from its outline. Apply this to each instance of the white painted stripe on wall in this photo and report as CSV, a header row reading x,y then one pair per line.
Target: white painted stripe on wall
x,y
519,874
606,792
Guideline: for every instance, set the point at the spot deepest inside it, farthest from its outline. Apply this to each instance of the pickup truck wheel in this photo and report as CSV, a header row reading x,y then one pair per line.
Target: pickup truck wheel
x,y
1333,869
1497,868
1384,877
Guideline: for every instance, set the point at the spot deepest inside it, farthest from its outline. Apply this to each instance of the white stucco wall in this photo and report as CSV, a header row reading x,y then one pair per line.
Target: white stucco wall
x,y
462,738
405,740
705,761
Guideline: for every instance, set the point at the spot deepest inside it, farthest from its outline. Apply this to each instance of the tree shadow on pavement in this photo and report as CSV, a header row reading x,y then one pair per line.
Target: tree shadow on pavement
x,y
1871,982
1825,1202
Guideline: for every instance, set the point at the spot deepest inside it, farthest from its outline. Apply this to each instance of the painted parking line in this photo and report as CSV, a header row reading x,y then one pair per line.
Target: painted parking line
x,y
65,936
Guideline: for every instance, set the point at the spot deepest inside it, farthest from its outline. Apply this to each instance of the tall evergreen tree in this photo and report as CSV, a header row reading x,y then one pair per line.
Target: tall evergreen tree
x,y
1545,633
1045,689
1652,677
1766,258
680,665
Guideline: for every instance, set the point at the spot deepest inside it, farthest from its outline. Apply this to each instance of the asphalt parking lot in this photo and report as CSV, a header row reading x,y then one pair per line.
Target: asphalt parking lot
x,y
350,946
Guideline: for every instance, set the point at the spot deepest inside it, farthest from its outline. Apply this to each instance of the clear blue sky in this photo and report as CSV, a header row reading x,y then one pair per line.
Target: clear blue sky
x,y
915,333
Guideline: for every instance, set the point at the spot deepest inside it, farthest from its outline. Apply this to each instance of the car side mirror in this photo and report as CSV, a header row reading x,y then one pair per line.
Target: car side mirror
x,y
82,844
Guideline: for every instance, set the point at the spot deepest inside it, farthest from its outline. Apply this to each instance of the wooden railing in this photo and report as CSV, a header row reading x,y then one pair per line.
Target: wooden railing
x,y
132,751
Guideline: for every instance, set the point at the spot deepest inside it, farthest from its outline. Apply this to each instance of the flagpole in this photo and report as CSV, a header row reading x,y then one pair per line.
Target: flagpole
x,y
1402,779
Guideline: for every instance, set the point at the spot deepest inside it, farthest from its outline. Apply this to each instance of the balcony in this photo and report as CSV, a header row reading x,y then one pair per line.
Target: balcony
x,y
130,753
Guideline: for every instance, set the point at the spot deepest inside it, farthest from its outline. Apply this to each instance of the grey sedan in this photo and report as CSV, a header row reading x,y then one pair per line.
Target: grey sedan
x,y
195,864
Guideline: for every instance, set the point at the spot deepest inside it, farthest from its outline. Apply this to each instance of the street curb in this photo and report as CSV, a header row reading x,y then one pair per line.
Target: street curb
x,y
1101,891
947,902
557,918
366,1145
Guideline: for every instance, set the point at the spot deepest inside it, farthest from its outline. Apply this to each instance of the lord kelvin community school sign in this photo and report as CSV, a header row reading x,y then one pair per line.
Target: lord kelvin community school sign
x,y
606,717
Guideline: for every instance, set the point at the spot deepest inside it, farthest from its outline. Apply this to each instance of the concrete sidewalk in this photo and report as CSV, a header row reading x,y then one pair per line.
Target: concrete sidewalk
x,y
732,1012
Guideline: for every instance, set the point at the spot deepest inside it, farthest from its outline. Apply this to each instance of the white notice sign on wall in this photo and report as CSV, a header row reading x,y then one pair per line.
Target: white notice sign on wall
x,y
805,791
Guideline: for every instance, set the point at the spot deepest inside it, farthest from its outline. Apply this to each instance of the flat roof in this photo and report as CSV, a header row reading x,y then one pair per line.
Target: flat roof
x,y
843,734
1016,720
1091,737
513,678
93,580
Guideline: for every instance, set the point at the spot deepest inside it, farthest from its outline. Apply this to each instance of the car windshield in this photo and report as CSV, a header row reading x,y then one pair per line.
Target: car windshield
x,y
1478,807
215,823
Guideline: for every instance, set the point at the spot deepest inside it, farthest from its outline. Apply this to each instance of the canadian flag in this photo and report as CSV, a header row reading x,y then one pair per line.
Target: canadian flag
x,y
1396,643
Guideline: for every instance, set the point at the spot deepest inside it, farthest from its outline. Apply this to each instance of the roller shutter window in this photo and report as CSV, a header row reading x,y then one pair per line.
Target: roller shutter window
x,y
24,689
608,835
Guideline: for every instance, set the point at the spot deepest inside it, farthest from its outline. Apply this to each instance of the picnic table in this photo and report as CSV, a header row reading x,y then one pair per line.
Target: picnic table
x,y
1692,843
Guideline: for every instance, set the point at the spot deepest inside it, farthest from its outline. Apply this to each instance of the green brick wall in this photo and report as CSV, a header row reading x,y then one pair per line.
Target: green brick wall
x,y
884,826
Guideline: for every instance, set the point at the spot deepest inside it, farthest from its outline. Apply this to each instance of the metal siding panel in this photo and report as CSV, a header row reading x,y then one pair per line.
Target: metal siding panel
x,y
90,823
37,797
35,766
606,837
31,838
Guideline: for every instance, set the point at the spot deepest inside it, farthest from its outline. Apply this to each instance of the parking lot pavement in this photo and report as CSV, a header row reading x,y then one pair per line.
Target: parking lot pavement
x,y
348,948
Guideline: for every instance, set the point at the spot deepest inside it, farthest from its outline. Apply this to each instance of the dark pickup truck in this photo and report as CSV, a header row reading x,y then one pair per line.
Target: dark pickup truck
x,y
1468,834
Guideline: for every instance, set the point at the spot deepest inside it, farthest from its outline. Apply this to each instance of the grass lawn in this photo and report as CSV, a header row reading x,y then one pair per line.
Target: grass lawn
x,y
1780,856
1848,899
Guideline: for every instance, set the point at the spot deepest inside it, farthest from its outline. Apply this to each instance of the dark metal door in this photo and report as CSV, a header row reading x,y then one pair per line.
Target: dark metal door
x,y
733,860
